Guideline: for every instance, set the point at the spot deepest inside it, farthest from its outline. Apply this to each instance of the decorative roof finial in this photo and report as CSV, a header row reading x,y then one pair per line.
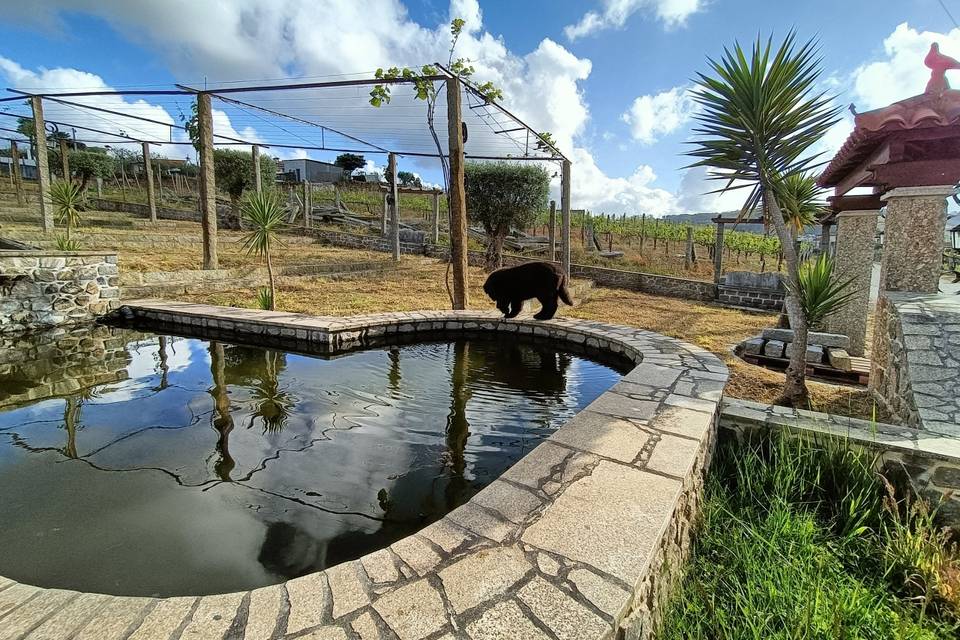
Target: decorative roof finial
x,y
939,65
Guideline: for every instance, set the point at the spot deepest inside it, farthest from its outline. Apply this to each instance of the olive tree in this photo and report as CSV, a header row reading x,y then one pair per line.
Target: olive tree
x,y
90,164
233,172
501,195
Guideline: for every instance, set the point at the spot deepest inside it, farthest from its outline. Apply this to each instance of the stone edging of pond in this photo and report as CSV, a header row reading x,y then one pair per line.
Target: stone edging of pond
x,y
581,538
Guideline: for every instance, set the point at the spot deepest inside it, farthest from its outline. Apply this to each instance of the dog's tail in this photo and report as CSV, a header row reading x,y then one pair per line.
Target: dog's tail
x,y
564,294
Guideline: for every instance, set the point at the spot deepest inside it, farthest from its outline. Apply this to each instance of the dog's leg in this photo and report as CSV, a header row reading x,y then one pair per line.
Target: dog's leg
x,y
549,304
516,306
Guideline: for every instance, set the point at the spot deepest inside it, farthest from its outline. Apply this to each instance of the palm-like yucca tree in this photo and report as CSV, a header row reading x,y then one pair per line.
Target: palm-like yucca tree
x,y
801,201
760,115
66,196
821,292
264,215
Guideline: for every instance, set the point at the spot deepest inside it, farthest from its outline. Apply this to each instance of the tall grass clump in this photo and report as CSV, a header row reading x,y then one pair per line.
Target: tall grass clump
x,y
804,539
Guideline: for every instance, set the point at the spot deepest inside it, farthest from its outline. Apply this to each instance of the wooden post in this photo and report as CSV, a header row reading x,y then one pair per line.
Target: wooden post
x,y
643,231
15,172
64,158
718,254
458,204
99,187
565,215
394,200
257,181
552,231
825,238
159,184
384,215
148,169
436,217
208,186
43,164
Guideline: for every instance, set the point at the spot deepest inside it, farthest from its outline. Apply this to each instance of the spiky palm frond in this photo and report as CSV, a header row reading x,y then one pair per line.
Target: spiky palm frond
x,y
264,298
760,115
264,215
801,200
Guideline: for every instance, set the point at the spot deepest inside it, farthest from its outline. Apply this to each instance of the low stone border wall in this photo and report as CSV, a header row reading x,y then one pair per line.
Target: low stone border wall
x,y
582,538
225,218
927,462
602,276
43,289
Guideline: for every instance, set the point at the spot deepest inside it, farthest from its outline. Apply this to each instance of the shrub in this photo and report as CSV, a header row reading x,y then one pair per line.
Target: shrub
x,y
821,293
233,173
501,195
66,197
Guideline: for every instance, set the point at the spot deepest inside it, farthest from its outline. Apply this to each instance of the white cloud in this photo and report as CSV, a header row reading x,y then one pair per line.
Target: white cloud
x,y
901,73
592,189
651,116
615,14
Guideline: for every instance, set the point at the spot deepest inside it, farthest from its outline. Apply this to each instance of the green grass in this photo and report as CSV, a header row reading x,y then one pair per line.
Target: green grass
x,y
803,540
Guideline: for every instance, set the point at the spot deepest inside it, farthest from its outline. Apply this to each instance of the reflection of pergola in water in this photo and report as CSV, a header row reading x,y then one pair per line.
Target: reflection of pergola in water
x,y
333,116
908,154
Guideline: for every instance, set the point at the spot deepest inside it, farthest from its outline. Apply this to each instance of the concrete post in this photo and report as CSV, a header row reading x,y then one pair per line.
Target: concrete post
x,y
436,217
825,238
394,206
43,164
913,243
99,187
15,173
307,205
854,260
208,186
257,183
458,202
565,215
384,215
552,233
148,169
64,158
717,254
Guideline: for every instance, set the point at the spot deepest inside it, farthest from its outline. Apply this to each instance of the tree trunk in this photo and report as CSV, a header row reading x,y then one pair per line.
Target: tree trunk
x,y
795,392
494,255
273,288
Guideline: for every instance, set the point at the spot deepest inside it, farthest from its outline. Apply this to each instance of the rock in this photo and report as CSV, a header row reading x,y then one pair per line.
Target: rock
x,y
839,359
824,339
753,346
814,353
774,348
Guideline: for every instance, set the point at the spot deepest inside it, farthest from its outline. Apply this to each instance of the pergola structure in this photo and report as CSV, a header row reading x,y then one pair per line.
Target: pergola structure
x,y
908,155
330,115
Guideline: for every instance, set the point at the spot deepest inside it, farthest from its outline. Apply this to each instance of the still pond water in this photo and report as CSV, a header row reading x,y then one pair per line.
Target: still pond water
x,y
138,464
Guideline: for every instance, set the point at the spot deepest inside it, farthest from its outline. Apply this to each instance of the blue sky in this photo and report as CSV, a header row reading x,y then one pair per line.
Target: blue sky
x,y
614,94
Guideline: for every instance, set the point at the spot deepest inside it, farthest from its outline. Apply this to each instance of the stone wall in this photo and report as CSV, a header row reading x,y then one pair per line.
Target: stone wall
x,y
225,218
913,460
916,360
43,289
762,291
636,281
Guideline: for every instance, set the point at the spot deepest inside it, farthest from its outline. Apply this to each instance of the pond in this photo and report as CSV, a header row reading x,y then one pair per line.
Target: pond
x,y
144,464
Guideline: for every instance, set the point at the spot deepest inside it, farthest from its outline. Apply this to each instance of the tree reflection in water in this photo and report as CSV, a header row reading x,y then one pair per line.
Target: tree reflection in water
x,y
222,419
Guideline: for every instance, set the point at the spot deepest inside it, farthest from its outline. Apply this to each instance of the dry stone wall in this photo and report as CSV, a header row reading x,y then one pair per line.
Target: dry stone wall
x,y
42,289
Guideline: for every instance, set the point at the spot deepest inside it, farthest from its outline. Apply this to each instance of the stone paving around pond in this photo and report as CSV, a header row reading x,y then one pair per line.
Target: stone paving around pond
x,y
582,538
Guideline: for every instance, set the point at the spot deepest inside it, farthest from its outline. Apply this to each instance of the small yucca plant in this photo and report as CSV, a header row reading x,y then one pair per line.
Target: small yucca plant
x,y
66,197
264,215
64,243
821,293
264,299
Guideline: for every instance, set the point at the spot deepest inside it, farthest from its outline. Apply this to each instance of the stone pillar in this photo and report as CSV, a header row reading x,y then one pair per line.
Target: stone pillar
x,y
43,164
913,238
208,187
148,169
856,231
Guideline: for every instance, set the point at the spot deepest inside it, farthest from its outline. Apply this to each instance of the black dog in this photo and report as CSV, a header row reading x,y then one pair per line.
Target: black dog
x,y
510,286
